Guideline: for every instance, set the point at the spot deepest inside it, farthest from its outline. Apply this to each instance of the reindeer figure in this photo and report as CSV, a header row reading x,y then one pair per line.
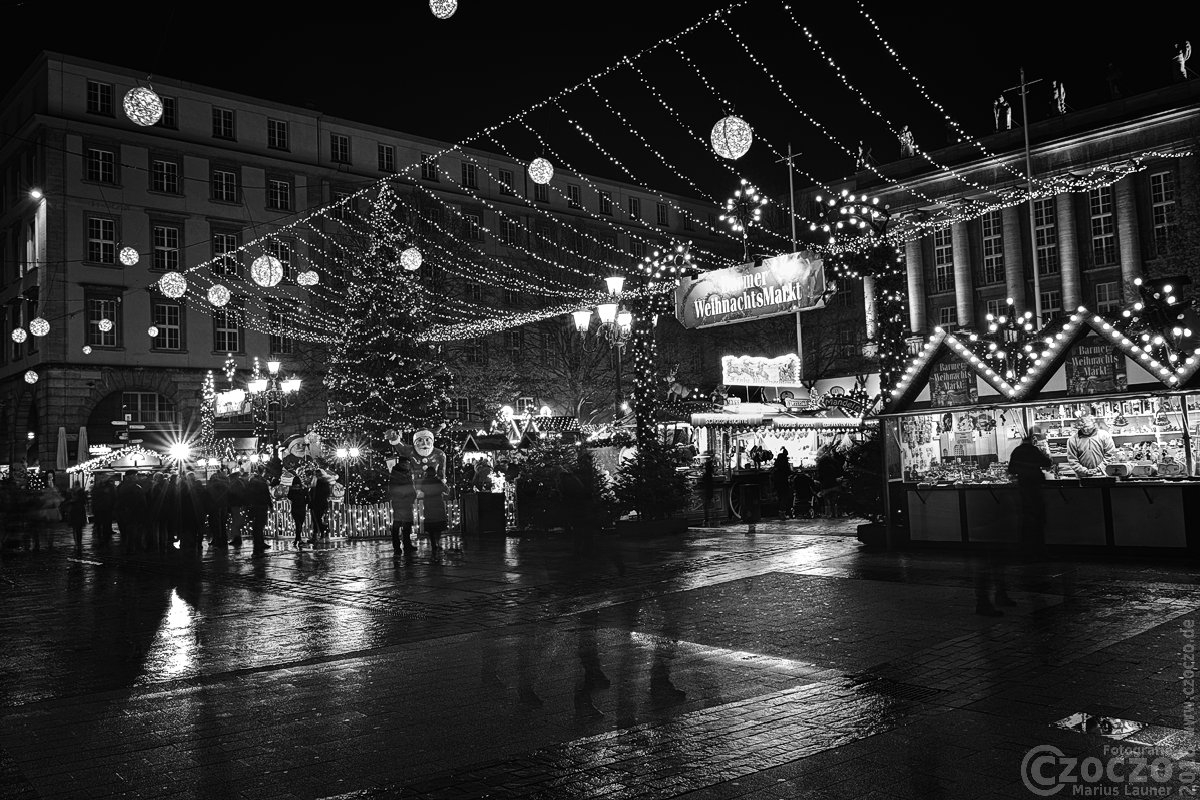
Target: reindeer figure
x,y
675,389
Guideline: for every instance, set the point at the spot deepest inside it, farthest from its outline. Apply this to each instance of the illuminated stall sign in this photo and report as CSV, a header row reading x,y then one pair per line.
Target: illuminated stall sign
x,y
781,285
758,371
1095,366
952,383
232,403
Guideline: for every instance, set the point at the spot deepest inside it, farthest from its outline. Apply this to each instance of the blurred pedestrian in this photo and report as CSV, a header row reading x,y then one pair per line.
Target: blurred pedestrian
x,y
1026,463
258,507
581,517
131,510
45,513
192,515
708,483
217,500
402,494
104,500
320,491
77,500
157,498
829,479
297,496
237,507
433,490
781,482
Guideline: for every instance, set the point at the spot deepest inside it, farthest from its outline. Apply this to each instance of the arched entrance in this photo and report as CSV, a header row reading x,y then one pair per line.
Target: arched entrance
x,y
148,416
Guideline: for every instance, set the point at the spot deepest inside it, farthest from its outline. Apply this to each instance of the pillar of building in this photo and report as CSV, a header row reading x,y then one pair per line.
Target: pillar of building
x,y
1014,256
964,286
916,285
1128,240
869,306
1068,252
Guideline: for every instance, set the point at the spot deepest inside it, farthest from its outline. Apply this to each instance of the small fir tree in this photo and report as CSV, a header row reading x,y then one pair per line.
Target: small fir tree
x,y
650,483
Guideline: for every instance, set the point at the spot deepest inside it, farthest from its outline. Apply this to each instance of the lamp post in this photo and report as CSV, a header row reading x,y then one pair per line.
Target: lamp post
x,y
346,455
273,394
616,326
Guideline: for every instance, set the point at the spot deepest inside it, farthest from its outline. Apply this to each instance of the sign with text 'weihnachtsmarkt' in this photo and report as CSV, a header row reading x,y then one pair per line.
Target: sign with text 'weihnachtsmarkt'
x,y
780,285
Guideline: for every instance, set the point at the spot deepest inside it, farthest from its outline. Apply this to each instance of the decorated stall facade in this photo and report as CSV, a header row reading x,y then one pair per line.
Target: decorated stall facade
x,y
967,400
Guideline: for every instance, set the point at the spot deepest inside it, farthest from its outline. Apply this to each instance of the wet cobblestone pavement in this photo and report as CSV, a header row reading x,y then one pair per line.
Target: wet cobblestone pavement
x,y
791,663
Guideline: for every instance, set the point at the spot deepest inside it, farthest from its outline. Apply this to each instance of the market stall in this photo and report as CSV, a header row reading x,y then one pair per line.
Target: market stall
x,y
965,403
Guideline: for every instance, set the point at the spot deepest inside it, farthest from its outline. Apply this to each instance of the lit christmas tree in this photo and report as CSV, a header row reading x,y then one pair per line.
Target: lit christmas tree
x,y
208,412
380,377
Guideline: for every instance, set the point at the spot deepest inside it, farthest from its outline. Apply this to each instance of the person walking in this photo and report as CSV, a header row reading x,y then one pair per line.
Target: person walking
x,y
1026,464
319,493
46,512
258,507
237,507
192,515
781,482
131,510
297,496
104,500
77,500
433,490
217,499
829,478
402,493
157,497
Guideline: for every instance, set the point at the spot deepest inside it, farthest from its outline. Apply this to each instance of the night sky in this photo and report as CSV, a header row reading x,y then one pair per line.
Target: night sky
x,y
401,68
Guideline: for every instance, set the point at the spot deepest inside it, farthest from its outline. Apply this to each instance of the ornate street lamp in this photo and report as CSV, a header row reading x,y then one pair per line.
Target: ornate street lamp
x,y
616,327
273,394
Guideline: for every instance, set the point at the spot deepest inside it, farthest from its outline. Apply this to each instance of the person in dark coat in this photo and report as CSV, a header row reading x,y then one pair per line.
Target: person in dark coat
x,y
298,500
804,495
320,491
131,510
433,490
258,507
781,482
237,507
402,494
192,515
217,496
157,499
1025,464
77,500
582,517
708,485
829,478
104,501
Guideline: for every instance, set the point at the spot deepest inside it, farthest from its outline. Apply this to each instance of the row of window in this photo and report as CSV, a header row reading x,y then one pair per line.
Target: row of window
x,y
1102,232
101,163
1109,299
465,407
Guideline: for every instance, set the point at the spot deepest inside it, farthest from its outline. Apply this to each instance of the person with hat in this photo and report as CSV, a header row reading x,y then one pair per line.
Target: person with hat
x,y
1090,448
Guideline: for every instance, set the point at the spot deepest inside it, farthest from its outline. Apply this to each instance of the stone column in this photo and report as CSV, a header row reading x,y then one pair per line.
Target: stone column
x,y
869,307
1068,252
1128,241
916,285
964,286
1014,256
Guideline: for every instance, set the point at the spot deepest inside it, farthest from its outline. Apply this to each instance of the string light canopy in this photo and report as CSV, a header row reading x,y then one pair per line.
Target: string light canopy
x,y
19,335
143,106
732,137
744,208
411,259
152,331
105,324
541,171
129,256
173,285
218,294
443,9
308,278
670,262
266,270
851,214
38,326
31,377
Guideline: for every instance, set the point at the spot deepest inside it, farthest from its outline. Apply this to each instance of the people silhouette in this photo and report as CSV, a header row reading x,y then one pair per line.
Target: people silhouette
x,y
1182,54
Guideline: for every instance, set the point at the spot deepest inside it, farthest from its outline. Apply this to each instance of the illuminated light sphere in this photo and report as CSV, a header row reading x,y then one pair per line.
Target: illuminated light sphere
x,y
411,259
541,171
172,284
152,331
19,335
39,326
218,295
31,376
129,256
731,137
443,9
143,106
308,278
266,270
105,325
87,349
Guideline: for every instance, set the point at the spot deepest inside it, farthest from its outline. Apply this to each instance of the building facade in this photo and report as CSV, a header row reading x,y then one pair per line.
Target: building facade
x,y
1113,187
82,189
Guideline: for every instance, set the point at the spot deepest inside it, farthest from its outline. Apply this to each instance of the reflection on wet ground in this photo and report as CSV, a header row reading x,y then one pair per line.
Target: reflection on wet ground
x,y
712,664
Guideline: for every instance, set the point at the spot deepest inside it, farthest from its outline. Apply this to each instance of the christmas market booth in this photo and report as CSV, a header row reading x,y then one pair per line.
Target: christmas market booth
x,y
743,437
967,400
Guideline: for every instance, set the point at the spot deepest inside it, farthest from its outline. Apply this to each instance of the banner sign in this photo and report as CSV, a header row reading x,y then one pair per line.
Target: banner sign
x,y
854,402
1094,366
780,285
758,371
232,403
952,383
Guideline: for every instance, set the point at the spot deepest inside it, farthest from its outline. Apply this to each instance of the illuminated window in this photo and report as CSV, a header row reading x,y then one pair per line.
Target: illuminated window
x,y
1104,240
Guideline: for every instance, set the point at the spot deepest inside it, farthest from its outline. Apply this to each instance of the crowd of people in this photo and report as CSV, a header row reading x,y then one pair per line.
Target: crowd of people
x,y
160,511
